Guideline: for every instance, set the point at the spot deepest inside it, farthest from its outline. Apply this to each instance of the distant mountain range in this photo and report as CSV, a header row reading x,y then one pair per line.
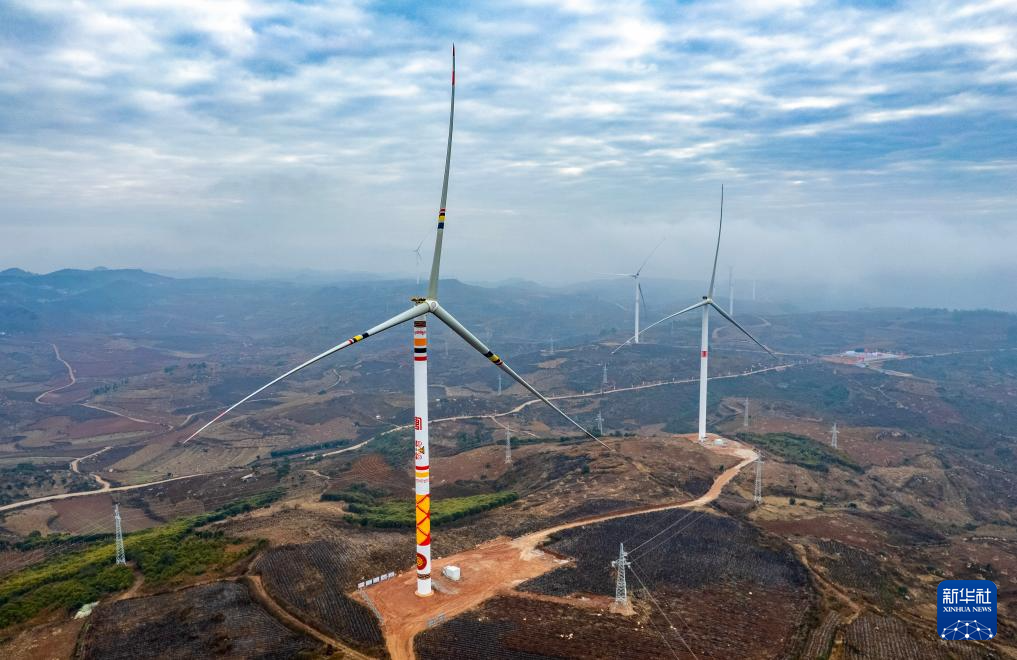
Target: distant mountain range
x,y
131,300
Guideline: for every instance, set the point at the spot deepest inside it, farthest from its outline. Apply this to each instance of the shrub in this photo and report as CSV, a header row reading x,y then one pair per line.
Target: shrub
x,y
399,513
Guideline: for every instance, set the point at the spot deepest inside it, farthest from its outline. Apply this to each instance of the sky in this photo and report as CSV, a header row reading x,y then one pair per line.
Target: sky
x,y
864,146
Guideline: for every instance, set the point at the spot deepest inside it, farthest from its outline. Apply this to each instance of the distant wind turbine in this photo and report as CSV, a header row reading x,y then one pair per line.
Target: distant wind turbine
x,y
706,303
422,306
416,251
639,289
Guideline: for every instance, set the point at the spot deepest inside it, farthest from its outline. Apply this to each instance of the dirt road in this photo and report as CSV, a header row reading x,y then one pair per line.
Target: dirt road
x,y
261,595
124,415
115,489
70,374
499,565
103,484
73,379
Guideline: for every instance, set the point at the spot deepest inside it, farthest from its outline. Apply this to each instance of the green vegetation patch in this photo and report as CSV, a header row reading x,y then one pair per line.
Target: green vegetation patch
x,y
17,481
399,513
800,450
289,451
160,553
358,493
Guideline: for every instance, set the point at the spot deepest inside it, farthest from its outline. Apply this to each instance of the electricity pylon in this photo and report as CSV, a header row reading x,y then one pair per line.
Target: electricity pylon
x,y
757,495
603,380
745,423
833,436
600,424
621,594
121,556
508,446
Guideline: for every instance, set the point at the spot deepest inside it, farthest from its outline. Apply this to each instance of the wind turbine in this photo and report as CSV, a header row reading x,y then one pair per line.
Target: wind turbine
x,y
416,251
422,306
705,304
639,288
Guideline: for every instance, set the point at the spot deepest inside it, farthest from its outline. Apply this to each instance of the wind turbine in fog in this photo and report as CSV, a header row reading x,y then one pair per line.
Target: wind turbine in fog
x,y
422,306
705,304
639,288
416,251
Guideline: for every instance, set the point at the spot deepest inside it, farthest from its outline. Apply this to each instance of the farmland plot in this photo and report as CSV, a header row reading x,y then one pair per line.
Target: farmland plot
x,y
312,580
699,571
212,620
877,637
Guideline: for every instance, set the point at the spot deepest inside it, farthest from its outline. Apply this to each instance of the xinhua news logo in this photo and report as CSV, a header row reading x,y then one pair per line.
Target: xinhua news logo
x,y
966,609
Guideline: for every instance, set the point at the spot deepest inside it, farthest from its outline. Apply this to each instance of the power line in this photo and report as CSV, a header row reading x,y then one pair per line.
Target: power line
x,y
664,614
688,512
694,520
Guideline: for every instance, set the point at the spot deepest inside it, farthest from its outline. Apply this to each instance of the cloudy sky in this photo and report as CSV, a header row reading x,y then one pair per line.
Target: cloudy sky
x,y
856,139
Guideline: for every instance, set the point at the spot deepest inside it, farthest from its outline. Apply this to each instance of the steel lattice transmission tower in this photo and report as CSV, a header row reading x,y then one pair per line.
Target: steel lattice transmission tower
x,y
621,594
745,423
757,494
833,436
121,556
508,446
603,380
600,424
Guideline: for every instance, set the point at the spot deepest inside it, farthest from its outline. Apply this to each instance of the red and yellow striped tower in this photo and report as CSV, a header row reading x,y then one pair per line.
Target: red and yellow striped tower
x,y
421,458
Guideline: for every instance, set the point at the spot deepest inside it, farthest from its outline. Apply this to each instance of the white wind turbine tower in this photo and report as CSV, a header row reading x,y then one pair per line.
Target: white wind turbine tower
x,y
639,289
422,306
706,304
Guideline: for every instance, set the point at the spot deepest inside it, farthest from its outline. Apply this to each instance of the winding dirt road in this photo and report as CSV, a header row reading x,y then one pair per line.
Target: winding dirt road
x,y
497,566
103,484
70,374
73,379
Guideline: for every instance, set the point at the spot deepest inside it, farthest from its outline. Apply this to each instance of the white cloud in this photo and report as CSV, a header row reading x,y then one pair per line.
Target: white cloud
x,y
571,112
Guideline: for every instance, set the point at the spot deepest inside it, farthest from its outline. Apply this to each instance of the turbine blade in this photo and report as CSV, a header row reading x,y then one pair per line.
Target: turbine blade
x,y
642,331
737,325
411,313
473,341
716,253
432,284
642,298
647,259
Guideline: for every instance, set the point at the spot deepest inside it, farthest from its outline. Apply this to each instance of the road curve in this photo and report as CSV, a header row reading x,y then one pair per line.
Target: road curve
x,y
103,484
732,448
70,373
86,493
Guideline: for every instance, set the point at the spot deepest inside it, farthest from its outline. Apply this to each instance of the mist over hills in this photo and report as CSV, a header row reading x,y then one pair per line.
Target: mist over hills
x,y
128,299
